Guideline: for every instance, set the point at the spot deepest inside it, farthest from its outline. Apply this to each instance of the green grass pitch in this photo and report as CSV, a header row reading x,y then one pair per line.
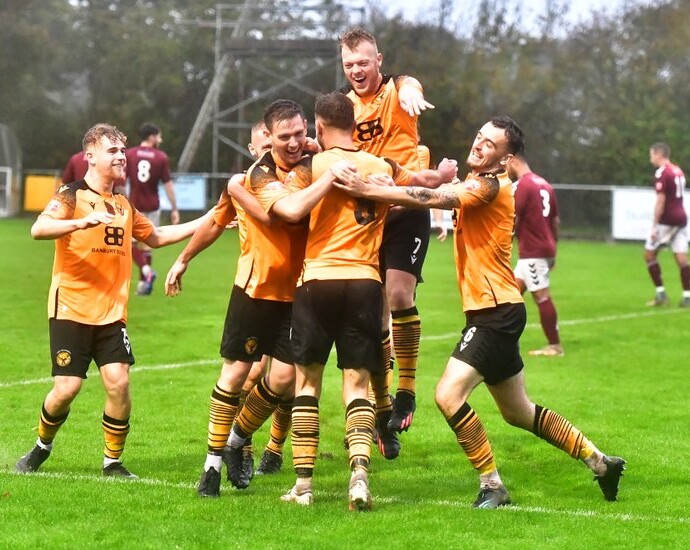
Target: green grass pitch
x,y
623,381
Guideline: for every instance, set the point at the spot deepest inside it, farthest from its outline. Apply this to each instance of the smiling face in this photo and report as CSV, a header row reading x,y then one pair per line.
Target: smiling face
x,y
489,152
287,140
361,66
107,157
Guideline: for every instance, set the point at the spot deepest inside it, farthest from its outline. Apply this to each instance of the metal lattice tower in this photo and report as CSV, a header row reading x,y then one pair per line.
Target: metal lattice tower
x,y
284,41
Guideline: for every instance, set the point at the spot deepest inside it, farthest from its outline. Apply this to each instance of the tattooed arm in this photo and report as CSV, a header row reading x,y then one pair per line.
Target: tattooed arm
x,y
444,197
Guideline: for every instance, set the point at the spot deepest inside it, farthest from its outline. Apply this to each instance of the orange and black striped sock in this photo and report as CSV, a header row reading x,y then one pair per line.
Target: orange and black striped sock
x,y
280,427
305,434
552,427
407,329
387,369
260,404
224,406
48,425
115,432
359,428
472,437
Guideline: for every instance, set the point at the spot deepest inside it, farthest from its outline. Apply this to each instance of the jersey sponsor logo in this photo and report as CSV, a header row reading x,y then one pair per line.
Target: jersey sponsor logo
x,y
250,345
369,129
63,358
114,236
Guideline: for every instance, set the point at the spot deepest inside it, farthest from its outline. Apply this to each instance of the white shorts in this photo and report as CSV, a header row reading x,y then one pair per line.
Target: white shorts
x,y
534,272
669,235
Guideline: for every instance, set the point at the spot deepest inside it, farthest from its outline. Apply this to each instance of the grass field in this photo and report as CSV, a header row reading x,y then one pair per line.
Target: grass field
x,y
623,381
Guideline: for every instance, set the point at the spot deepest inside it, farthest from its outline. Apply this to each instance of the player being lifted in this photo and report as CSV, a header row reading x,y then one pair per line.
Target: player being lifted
x,y
386,111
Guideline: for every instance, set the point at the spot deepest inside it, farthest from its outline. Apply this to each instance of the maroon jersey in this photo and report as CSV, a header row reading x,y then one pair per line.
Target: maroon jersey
x,y
670,181
146,168
76,168
535,210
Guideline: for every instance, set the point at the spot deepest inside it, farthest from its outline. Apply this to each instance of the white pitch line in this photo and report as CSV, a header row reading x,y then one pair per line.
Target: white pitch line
x,y
433,337
188,486
575,322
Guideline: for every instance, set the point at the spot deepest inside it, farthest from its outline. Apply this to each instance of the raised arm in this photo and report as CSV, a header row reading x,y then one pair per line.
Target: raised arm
x,y
446,171
411,96
246,200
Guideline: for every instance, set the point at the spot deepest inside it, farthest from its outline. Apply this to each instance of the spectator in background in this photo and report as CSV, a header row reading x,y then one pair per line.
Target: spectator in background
x,y
147,166
669,224
536,230
76,168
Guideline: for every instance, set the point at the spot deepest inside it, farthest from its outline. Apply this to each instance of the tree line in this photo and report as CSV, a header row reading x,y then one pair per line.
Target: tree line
x,y
591,96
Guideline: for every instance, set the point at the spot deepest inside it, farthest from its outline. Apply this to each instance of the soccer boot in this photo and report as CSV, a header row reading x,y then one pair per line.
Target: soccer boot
x,y
116,469
32,460
248,461
358,493
302,495
659,300
148,287
232,456
209,484
608,482
404,406
270,463
386,440
489,497
552,350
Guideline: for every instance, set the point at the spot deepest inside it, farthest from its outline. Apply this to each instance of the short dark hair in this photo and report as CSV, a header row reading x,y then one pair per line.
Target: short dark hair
x,y
354,37
663,148
147,130
97,131
281,109
336,110
515,135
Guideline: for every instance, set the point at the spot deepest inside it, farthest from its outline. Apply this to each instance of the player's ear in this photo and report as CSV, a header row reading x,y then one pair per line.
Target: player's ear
x,y
379,59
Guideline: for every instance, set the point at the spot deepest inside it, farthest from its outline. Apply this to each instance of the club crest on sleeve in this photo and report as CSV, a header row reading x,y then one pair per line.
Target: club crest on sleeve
x,y
63,358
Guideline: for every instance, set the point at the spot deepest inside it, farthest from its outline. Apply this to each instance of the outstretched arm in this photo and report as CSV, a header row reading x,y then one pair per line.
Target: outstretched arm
x,y
416,197
411,96
204,236
47,227
446,171
246,200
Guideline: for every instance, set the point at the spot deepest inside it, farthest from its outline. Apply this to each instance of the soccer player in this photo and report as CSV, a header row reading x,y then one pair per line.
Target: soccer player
x,y
259,312
147,166
87,303
536,230
488,351
669,224
76,168
339,298
386,110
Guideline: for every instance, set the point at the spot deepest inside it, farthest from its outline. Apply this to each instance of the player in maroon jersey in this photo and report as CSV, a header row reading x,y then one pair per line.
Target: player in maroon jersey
x,y
669,224
147,166
536,229
76,168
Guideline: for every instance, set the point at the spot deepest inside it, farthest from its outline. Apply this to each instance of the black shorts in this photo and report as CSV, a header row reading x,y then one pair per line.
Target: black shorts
x,y
490,341
405,241
344,312
255,327
74,345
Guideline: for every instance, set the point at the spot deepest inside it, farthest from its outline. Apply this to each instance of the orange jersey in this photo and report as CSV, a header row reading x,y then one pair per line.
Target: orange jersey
x,y
383,128
225,211
270,255
92,268
484,241
345,232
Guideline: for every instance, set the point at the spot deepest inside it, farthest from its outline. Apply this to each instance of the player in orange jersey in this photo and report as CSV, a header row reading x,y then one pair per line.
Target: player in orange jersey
x,y
386,110
484,212
339,297
87,305
258,317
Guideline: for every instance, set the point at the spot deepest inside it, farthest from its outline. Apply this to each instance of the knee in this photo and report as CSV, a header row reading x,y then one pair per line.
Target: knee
x,y
444,398
119,387
65,392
